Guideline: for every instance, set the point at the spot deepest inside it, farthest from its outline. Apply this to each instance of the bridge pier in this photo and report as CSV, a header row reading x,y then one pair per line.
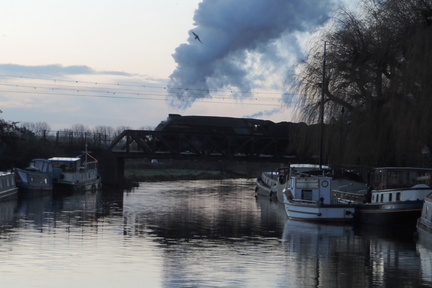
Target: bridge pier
x,y
112,170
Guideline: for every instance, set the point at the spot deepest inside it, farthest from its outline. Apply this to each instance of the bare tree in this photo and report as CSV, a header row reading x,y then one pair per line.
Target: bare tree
x,y
377,72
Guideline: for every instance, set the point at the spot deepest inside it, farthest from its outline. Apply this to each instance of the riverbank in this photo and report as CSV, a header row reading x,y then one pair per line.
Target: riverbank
x,y
175,174
148,171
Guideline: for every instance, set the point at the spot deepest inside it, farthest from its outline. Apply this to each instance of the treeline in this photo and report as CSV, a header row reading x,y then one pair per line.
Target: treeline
x,y
376,86
43,129
21,142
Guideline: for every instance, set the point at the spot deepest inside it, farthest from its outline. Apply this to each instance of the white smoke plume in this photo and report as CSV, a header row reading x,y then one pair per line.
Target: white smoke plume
x,y
242,45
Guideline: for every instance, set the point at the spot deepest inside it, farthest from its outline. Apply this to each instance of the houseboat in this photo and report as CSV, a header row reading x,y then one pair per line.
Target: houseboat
x,y
309,197
424,223
8,186
36,177
271,183
75,173
395,197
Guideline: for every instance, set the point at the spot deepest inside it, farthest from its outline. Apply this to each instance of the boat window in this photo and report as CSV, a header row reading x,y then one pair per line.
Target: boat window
x,y
398,196
306,195
390,197
382,197
393,178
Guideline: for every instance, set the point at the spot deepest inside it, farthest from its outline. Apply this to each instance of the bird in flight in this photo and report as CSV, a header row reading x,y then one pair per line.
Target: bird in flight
x,y
196,37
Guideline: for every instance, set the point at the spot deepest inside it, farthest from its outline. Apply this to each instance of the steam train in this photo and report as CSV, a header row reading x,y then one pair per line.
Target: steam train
x,y
206,134
221,125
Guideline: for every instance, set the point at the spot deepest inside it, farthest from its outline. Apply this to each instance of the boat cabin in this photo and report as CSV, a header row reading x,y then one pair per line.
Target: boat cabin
x,y
72,164
39,164
311,188
400,177
394,184
66,164
310,169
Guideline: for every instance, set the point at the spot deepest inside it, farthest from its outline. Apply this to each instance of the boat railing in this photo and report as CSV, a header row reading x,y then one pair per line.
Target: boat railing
x,y
303,201
349,197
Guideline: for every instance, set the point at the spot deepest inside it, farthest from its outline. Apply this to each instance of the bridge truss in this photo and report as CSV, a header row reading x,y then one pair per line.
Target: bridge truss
x,y
170,145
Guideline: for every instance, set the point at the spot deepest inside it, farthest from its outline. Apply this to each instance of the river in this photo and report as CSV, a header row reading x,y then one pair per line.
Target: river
x,y
204,233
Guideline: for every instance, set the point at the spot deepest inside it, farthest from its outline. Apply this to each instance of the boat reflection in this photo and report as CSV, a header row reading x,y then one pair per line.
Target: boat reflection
x,y
322,254
323,251
273,216
424,249
7,212
76,209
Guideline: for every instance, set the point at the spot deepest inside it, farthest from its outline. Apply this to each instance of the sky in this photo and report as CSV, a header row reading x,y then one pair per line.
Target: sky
x,y
131,63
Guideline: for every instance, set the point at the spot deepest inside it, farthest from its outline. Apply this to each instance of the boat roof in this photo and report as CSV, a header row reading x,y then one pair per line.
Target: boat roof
x,y
40,160
308,166
2,173
65,159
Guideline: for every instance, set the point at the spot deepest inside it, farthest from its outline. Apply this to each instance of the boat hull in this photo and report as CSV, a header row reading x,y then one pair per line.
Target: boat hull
x,y
400,214
424,223
263,189
7,194
8,188
267,184
33,180
92,185
319,213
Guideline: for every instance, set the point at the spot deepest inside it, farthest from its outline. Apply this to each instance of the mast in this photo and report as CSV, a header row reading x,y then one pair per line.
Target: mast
x,y
322,107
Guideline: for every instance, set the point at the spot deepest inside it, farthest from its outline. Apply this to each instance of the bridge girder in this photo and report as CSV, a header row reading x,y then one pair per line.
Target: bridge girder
x,y
163,145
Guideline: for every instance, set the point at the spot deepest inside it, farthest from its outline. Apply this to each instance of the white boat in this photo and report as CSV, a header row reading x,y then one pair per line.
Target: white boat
x,y
266,184
75,173
424,223
297,169
8,186
37,176
310,198
271,183
396,196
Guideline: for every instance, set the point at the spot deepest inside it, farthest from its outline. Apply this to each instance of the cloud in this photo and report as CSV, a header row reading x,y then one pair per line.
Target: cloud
x,y
264,113
243,47
53,70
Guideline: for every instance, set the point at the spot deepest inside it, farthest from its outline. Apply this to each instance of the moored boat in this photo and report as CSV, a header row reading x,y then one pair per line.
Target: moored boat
x,y
8,186
296,169
266,185
272,183
424,223
395,197
309,198
75,173
36,177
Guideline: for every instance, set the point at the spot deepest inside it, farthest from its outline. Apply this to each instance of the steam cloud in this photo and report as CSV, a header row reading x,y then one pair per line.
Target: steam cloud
x,y
244,42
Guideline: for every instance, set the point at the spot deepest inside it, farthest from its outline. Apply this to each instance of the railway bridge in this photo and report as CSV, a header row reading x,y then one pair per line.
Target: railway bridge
x,y
190,146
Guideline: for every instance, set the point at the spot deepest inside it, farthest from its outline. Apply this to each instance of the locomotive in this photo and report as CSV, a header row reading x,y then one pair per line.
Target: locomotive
x,y
215,125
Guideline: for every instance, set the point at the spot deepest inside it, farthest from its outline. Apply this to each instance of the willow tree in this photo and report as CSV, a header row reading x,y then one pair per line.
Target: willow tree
x,y
377,73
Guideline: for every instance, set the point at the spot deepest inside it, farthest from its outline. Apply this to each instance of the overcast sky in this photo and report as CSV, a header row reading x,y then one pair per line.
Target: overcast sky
x,y
131,62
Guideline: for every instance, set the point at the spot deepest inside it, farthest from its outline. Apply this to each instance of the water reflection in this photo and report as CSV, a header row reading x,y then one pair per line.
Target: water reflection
x,y
324,255
7,214
66,210
183,210
424,249
194,234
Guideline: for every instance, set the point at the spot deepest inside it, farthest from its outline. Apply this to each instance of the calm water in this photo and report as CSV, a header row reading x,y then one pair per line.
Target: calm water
x,y
193,234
